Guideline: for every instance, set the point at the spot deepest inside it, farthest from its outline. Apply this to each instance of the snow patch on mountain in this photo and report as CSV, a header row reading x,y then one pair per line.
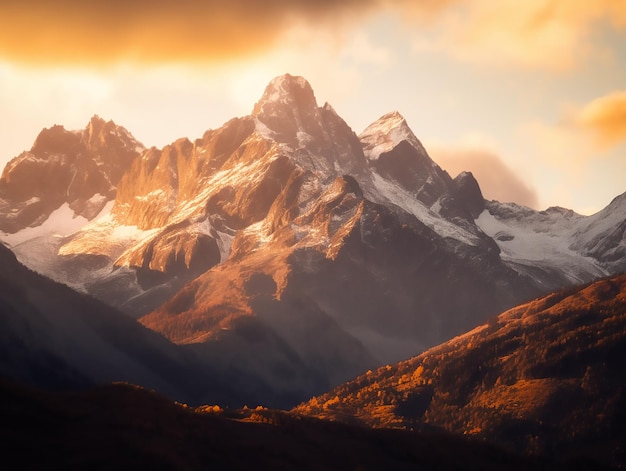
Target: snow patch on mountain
x,y
105,236
388,192
260,231
262,130
223,238
61,223
37,247
541,240
154,194
597,227
386,133
224,243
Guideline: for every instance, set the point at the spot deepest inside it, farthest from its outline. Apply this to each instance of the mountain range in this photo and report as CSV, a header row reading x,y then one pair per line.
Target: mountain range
x,y
283,260
283,252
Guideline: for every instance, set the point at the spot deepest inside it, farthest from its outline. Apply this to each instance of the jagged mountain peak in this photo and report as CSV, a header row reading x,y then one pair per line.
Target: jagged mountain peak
x,y
99,133
390,120
55,139
396,154
317,137
96,125
79,169
386,133
468,190
288,110
96,119
286,90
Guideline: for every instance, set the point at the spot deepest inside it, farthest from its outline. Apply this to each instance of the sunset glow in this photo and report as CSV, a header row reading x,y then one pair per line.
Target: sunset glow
x,y
530,97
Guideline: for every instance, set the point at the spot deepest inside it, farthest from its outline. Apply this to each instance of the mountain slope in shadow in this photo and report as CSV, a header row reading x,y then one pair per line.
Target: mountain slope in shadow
x,y
545,377
124,427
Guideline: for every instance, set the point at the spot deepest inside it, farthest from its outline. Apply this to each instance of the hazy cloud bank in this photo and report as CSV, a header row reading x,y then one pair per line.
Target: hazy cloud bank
x,y
550,34
497,181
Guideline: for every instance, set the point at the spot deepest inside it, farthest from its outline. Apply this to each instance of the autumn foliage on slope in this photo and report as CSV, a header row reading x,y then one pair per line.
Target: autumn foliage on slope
x,y
125,427
548,376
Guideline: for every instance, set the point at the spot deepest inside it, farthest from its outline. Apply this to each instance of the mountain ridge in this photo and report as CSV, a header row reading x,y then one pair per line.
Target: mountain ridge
x,y
80,169
286,217
545,377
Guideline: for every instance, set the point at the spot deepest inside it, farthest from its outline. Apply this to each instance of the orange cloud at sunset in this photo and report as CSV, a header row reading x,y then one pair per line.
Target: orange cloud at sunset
x,y
605,117
94,32
544,34
584,134
552,34
541,80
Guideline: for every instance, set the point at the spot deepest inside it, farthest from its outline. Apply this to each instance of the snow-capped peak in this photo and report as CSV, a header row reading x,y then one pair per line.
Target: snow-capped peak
x,y
286,90
386,133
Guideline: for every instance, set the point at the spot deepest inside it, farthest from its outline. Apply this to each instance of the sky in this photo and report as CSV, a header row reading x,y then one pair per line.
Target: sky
x,y
529,96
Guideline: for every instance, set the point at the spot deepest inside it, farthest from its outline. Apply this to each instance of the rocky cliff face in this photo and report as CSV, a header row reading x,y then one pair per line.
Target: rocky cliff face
x,y
80,169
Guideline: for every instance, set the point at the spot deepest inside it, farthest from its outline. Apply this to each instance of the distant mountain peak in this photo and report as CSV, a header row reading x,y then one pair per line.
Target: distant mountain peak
x,y
396,154
394,118
55,139
468,190
317,137
286,91
99,133
96,123
288,110
79,169
386,133
96,119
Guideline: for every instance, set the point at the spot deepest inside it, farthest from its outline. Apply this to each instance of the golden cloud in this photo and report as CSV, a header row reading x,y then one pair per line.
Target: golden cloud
x,y
605,119
97,32
535,33
584,134
546,34
568,164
